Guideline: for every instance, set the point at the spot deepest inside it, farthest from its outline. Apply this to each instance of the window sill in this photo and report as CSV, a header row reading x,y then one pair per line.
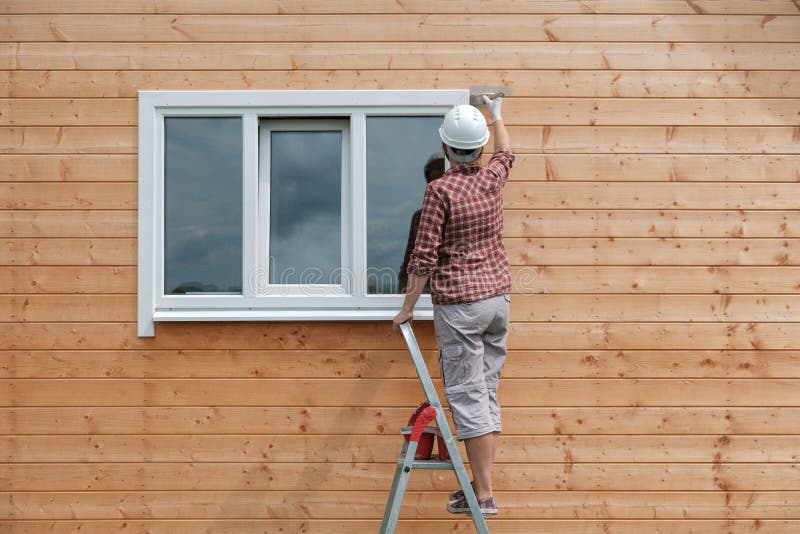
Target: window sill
x,y
351,314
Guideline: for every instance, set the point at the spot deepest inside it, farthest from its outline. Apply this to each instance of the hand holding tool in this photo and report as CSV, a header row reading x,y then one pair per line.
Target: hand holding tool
x,y
493,105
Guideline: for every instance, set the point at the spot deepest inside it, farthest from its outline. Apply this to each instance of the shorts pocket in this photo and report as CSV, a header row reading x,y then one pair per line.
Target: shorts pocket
x,y
507,297
451,360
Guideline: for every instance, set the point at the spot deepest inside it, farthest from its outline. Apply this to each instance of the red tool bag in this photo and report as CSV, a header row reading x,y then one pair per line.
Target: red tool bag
x,y
425,446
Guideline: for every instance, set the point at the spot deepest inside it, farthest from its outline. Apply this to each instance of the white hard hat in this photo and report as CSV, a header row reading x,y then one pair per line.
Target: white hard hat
x,y
464,127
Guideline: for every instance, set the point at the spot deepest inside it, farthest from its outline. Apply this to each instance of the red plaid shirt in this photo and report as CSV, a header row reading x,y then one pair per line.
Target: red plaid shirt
x,y
460,237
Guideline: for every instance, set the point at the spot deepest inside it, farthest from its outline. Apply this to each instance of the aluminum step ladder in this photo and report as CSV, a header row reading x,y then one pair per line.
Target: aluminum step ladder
x,y
406,462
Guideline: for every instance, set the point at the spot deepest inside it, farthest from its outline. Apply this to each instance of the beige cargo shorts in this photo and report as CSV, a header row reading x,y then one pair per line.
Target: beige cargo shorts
x,y
472,352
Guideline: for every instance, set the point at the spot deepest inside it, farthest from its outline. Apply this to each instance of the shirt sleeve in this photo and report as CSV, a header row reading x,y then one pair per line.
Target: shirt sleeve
x,y
498,167
429,235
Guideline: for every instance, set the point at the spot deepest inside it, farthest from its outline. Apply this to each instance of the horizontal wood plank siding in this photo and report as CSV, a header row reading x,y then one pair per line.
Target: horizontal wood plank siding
x,y
399,27
548,506
444,526
406,6
652,222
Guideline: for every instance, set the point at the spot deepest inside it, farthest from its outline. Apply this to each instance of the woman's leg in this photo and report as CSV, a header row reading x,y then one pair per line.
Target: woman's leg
x,y
480,451
494,343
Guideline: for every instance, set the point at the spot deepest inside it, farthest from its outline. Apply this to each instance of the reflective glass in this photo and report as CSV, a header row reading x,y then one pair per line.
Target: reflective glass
x,y
305,235
398,149
202,205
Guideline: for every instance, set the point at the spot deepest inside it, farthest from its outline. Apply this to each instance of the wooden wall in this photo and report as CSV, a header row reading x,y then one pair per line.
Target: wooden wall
x,y
653,383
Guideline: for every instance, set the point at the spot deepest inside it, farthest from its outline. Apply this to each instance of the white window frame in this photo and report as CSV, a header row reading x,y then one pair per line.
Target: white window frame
x,y
254,304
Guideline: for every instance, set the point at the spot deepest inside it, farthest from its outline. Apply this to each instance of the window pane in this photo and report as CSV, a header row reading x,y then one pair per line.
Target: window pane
x,y
202,205
398,149
305,235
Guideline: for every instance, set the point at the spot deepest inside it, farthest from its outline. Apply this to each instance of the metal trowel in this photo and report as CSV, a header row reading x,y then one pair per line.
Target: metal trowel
x,y
492,91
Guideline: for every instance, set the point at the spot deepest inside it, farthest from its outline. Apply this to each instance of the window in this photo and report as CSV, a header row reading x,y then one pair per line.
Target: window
x,y
280,205
304,171
397,149
202,205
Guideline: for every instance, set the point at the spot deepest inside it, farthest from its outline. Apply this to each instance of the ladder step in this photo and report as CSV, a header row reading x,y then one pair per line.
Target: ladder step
x,y
406,430
433,463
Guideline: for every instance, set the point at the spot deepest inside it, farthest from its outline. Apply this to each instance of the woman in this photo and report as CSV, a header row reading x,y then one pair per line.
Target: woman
x,y
459,248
